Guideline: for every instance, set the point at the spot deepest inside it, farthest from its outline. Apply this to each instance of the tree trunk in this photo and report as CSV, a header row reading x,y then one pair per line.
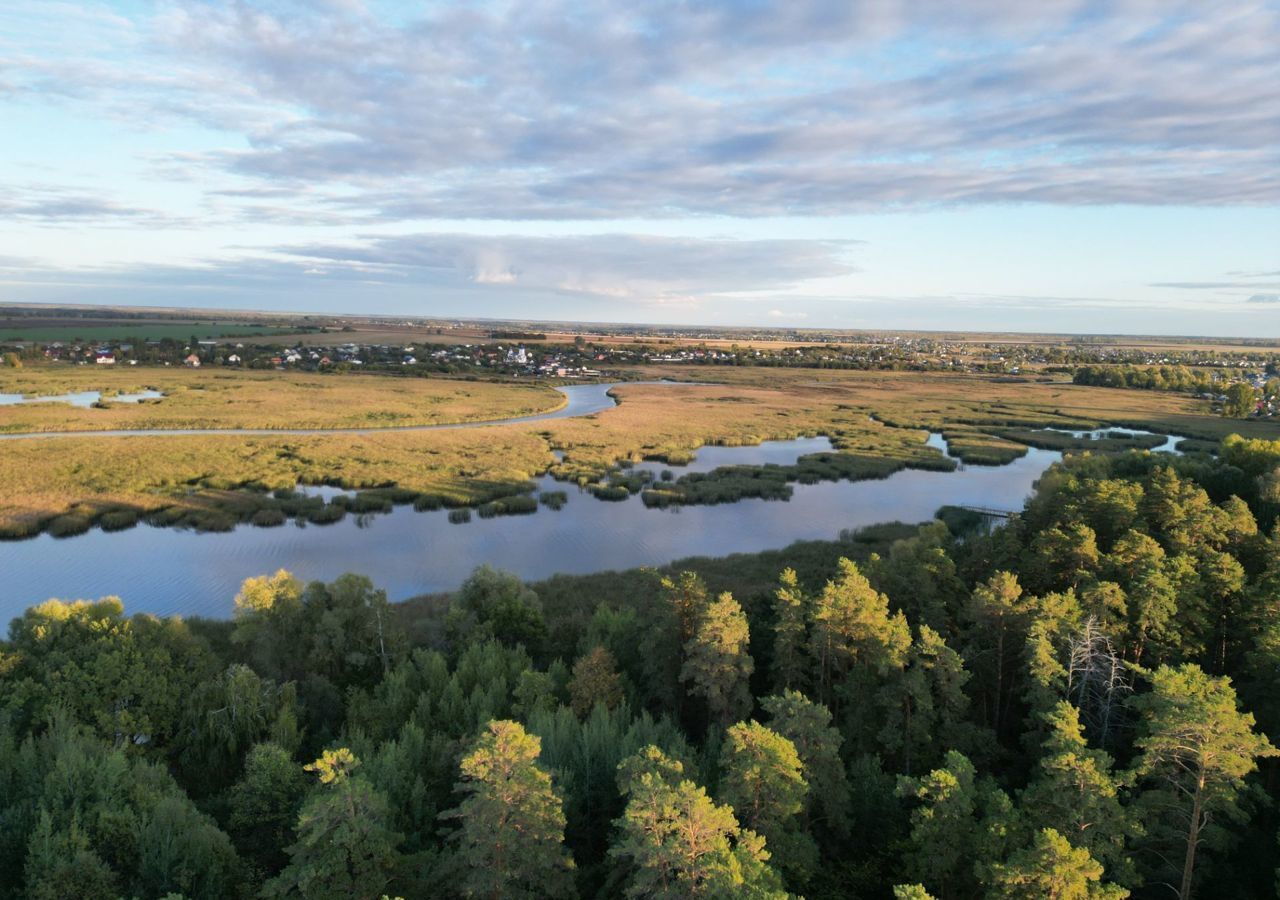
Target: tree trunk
x,y
1193,839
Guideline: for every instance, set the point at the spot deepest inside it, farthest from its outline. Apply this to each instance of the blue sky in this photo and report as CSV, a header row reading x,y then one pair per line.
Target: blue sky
x,y
1065,165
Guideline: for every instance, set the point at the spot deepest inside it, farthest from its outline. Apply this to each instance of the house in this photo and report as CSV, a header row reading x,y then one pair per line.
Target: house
x,y
233,360
105,359
193,361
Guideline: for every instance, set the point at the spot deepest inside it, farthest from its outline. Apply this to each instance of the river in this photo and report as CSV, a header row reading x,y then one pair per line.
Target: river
x,y
168,571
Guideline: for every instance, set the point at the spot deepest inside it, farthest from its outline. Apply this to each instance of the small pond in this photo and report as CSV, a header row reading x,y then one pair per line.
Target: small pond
x,y
83,399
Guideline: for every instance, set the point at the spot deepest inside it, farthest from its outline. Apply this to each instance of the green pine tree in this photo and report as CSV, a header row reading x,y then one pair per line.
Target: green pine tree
x,y
1052,869
1196,747
511,839
761,777
344,850
674,842
717,664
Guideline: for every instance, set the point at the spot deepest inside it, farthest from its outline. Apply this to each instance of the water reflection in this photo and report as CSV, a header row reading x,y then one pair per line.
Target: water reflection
x,y
168,571
84,399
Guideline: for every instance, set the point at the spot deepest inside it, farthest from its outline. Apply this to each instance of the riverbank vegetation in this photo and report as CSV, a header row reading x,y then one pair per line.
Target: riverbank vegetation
x,y
877,421
1080,703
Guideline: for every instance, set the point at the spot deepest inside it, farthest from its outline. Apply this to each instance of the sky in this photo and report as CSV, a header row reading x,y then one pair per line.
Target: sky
x,y
1087,166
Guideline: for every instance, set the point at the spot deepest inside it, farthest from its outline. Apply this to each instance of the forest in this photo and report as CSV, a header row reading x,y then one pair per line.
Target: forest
x,y
1080,703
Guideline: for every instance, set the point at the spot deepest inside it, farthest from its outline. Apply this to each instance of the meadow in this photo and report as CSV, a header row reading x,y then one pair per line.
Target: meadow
x,y
234,398
878,423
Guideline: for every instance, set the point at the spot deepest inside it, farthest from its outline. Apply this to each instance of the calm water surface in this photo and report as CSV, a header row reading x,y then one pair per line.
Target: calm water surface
x,y
582,400
79,398
166,571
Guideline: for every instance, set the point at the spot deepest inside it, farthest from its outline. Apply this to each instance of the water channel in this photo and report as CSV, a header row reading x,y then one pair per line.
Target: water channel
x,y
167,571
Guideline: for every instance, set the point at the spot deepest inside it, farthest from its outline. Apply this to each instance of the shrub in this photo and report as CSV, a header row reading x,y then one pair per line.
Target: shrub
x,y
118,520
508,506
68,525
553,499
326,515
268,518
609,491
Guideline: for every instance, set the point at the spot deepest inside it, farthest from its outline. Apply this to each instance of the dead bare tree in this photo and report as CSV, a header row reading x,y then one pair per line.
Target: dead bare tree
x,y
1097,681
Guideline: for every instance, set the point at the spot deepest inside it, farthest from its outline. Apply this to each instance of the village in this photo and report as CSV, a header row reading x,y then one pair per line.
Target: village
x,y
1207,372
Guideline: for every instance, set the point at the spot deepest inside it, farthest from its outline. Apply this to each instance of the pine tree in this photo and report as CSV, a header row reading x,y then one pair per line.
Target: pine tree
x,y
911,892
761,777
511,839
682,602
675,842
790,606
686,597
958,827
998,612
1196,749
717,664
943,826
344,850
920,577
1052,869
595,680
1074,792
852,627
808,726
925,704
1062,557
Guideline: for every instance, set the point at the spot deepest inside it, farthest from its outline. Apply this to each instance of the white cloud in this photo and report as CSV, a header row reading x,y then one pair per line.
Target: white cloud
x,y
563,110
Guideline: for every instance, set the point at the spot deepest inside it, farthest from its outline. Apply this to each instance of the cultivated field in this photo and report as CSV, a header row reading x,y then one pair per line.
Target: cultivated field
x,y
94,330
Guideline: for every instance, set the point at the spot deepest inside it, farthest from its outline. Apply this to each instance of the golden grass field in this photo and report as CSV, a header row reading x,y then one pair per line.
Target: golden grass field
x,y
232,398
42,478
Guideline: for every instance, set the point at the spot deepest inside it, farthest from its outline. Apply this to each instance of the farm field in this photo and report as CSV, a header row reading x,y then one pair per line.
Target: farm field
x,y
77,330
880,419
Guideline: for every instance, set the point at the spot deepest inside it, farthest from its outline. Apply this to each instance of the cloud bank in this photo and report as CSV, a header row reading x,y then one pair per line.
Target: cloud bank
x,y
509,157
613,109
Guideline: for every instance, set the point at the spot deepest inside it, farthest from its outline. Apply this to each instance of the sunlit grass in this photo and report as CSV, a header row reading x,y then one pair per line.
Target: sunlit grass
x,y
877,423
231,398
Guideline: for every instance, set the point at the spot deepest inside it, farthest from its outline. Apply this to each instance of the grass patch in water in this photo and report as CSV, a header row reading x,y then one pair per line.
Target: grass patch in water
x,y
553,499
